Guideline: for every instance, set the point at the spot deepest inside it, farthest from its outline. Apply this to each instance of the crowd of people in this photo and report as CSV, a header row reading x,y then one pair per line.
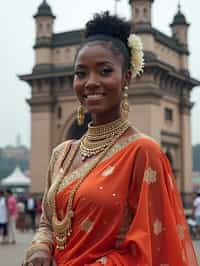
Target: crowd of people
x,y
22,212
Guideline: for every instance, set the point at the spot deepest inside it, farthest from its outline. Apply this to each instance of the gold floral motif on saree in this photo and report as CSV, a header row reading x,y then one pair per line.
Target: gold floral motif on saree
x,y
108,171
86,225
157,227
150,176
103,260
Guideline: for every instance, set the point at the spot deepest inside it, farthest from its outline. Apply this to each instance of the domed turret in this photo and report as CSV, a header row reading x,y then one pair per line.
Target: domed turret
x,y
179,27
44,10
44,23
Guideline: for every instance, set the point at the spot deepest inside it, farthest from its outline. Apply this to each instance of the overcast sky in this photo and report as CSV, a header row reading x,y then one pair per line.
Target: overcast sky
x,y
17,33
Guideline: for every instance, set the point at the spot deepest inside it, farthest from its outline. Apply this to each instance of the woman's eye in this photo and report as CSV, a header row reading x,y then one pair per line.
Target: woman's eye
x,y
80,74
106,71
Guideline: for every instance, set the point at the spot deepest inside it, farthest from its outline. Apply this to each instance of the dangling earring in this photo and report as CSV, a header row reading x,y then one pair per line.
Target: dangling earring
x,y
124,103
80,115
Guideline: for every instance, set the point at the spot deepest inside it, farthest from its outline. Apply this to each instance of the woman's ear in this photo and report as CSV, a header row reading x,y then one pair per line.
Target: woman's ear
x,y
127,77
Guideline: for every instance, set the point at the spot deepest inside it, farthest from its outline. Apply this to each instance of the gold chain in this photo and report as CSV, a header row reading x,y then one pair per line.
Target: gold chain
x,y
63,228
98,138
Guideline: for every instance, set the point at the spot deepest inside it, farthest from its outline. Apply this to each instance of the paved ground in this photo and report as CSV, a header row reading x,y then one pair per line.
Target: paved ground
x,y
12,255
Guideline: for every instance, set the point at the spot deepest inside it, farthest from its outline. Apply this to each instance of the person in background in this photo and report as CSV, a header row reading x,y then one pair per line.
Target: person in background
x,y
31,210
197,212
38,210
21,217
3,218
12,216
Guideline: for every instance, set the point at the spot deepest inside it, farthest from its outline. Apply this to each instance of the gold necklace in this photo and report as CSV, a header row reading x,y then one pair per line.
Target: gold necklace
x,y
63,228
97,138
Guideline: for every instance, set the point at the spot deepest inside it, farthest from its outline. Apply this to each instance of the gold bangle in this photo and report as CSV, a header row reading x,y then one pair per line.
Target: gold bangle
x,y
46,243
37,247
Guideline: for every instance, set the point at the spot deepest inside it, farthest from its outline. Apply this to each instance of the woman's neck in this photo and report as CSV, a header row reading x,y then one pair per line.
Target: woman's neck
x,y
104,118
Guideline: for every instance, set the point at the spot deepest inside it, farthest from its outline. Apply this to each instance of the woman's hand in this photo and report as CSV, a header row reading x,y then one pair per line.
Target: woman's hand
x,y
40,258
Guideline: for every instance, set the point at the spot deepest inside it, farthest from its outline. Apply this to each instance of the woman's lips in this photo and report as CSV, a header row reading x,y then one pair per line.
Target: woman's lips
x,y
94,97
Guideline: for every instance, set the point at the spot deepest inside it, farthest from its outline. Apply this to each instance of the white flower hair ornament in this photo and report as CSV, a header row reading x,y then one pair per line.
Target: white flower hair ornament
x,y
137,54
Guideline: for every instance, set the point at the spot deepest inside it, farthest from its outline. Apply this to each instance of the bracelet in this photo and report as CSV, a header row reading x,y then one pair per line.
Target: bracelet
x,y
46,243
37,247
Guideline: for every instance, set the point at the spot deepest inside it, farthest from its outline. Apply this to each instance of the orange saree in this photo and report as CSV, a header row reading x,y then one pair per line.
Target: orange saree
x,y
127,211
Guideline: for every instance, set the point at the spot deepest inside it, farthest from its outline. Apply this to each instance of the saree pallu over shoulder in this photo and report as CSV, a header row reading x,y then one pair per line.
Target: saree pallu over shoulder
x,y
128,211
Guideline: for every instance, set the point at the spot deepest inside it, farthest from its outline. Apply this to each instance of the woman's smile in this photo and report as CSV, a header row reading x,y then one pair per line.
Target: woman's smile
x,y
94,97
99,80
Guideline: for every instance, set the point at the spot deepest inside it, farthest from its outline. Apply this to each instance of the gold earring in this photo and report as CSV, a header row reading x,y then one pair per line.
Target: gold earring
x,y
80,115
124,103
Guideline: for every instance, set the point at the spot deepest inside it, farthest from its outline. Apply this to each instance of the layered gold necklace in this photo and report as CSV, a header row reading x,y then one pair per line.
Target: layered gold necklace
x,y
63,228
97,138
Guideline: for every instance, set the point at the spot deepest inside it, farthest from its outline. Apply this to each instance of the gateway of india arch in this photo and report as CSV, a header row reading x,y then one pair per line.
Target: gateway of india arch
x,y
159,99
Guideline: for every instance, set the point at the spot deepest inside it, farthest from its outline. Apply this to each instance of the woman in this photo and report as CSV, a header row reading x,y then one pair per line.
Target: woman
x,y
3,218
111,198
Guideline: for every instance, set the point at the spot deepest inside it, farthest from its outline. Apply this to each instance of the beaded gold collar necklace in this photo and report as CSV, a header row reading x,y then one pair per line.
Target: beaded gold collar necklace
x,y
97,138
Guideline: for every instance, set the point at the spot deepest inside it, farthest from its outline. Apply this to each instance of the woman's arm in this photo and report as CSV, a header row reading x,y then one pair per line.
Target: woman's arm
x,y
42,242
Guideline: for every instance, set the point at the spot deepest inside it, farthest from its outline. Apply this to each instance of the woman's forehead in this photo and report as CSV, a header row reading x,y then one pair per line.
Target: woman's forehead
x,y
96,51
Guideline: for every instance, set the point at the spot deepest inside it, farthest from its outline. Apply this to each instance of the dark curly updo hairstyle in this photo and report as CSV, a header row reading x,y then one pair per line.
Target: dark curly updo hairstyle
x,y
106,28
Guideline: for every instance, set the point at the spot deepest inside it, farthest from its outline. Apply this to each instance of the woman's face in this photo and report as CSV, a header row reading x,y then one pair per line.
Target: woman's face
x,y
99,79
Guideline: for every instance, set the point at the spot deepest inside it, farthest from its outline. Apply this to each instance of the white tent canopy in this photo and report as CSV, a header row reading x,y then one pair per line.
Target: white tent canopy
x,y
17,178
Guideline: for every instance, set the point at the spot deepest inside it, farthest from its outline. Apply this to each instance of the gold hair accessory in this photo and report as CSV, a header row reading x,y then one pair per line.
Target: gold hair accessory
x,y
124,104
137,54
80,114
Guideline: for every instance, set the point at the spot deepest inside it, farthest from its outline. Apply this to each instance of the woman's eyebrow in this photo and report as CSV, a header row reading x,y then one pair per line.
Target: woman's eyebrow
x,y
80,66
104,63
100,63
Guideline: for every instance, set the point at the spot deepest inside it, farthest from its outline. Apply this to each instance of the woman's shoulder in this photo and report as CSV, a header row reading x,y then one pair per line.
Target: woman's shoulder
x,y
59,152
61,148
145,143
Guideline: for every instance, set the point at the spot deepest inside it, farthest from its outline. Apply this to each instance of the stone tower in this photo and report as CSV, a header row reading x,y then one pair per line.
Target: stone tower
x,y
159,99
41,102
141,11
180,28
44,22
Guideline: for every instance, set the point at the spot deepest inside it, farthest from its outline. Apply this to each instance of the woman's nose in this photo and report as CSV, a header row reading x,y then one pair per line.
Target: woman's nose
x,y
92,81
